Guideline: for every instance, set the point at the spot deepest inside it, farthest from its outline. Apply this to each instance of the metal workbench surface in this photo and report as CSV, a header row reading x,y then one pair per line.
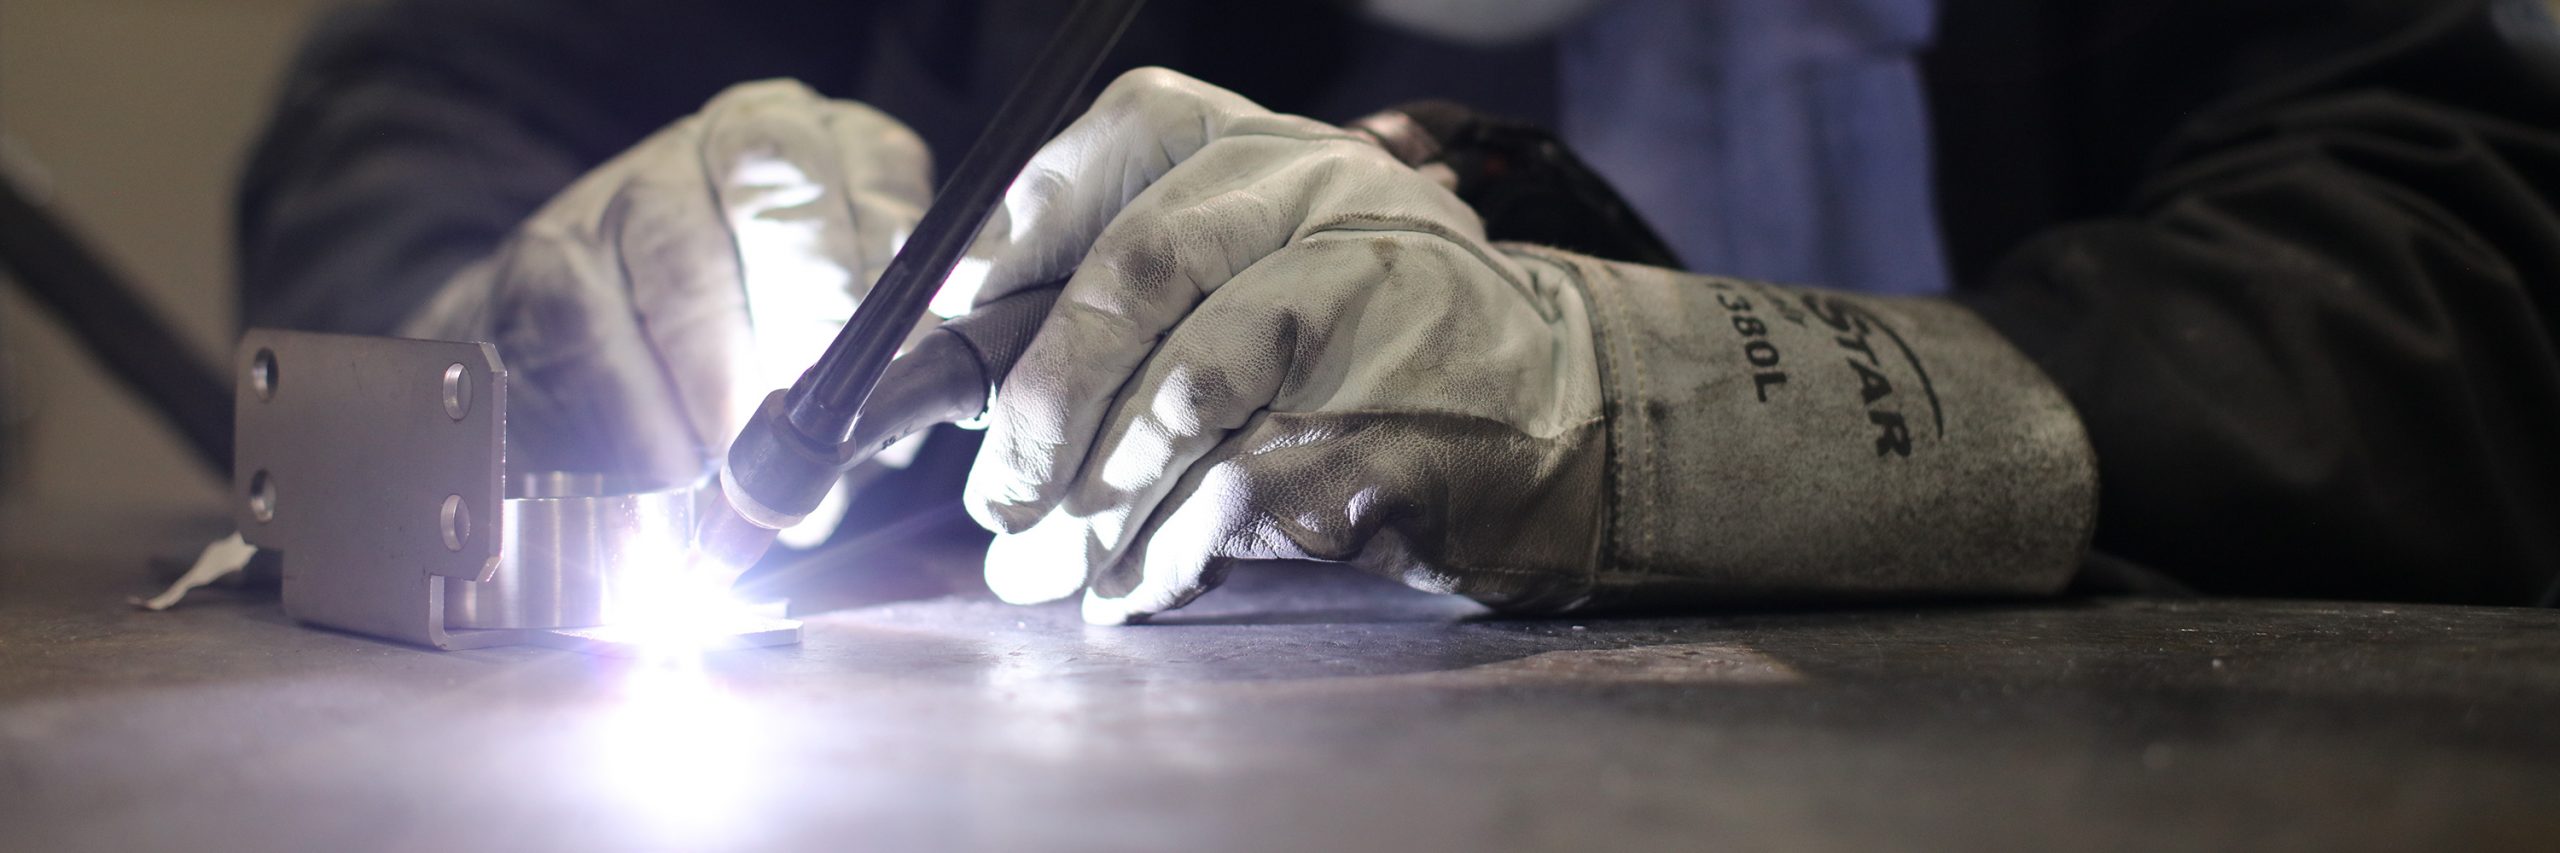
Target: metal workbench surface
x,y
1296,709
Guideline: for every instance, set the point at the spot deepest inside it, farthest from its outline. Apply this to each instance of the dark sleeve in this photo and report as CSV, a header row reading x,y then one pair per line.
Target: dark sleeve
x,y
2316,354
411,136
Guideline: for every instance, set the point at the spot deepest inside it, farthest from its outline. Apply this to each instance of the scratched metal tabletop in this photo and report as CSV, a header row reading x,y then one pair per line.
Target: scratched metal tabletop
x,y
1297,708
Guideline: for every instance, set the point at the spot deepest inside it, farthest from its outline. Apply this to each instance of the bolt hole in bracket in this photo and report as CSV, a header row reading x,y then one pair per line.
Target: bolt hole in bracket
x,y
373,474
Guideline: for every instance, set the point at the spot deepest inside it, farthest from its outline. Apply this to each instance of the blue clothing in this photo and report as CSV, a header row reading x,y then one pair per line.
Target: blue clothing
x,y
1785,141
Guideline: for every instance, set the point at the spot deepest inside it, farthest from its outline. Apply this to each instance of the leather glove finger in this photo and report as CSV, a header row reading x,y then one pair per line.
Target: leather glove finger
x,y
1145,123
1373,390
1285,333
805,193
1403,499
585,392
1222,363
1235,202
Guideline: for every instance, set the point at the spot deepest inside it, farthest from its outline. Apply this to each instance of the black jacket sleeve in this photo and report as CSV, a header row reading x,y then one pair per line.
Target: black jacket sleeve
x,y
2316,352
411,136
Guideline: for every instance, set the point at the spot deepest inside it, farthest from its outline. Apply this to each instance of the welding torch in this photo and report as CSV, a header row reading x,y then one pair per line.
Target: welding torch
x,y
793,448
856,400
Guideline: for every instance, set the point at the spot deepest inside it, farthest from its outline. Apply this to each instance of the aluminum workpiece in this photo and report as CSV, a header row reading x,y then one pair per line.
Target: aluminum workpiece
x,y
377,467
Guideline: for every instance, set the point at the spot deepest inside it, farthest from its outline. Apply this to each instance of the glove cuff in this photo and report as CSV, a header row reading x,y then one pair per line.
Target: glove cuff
x,y
1774,443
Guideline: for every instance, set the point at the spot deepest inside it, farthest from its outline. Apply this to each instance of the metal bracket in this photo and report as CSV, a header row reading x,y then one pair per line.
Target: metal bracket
x,y
377,467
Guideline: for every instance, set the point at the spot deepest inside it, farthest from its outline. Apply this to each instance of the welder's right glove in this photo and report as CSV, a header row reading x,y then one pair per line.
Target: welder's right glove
x,y
1281,343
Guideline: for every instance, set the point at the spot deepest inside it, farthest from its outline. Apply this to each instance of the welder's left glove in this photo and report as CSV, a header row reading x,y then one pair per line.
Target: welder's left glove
x,y
1281,343
646,310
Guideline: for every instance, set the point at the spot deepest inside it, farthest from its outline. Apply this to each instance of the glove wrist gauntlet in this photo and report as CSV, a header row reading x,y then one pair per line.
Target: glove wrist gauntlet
x,y
1774,443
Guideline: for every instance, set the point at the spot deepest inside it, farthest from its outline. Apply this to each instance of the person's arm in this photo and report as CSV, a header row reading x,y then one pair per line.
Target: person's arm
x,y
468,171
411,137
1278,342
2316,356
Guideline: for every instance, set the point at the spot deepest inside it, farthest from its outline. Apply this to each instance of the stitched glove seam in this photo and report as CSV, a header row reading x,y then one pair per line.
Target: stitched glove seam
x,y
1608,319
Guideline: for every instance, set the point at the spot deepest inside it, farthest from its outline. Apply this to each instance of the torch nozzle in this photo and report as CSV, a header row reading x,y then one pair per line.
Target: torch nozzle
x,y
725,543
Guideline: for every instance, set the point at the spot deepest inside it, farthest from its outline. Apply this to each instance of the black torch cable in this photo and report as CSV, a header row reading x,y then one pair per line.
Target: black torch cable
x,y
115,322
822,404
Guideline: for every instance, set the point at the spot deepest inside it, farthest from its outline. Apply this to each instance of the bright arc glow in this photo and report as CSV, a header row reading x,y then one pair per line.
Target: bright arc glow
x,y
671,610
677,754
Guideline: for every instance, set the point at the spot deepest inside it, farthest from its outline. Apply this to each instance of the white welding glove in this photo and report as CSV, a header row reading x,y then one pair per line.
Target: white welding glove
x,y
645,311
1281,343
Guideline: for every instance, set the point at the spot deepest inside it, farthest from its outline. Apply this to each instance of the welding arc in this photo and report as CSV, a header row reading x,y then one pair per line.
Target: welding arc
x,y
822,404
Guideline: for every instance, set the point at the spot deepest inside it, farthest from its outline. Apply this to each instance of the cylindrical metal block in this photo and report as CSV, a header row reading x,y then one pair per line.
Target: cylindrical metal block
x,y
572,552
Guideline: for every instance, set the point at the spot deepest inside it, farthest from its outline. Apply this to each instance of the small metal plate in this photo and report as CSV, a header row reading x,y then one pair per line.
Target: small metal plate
x,y
376,465
744,632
